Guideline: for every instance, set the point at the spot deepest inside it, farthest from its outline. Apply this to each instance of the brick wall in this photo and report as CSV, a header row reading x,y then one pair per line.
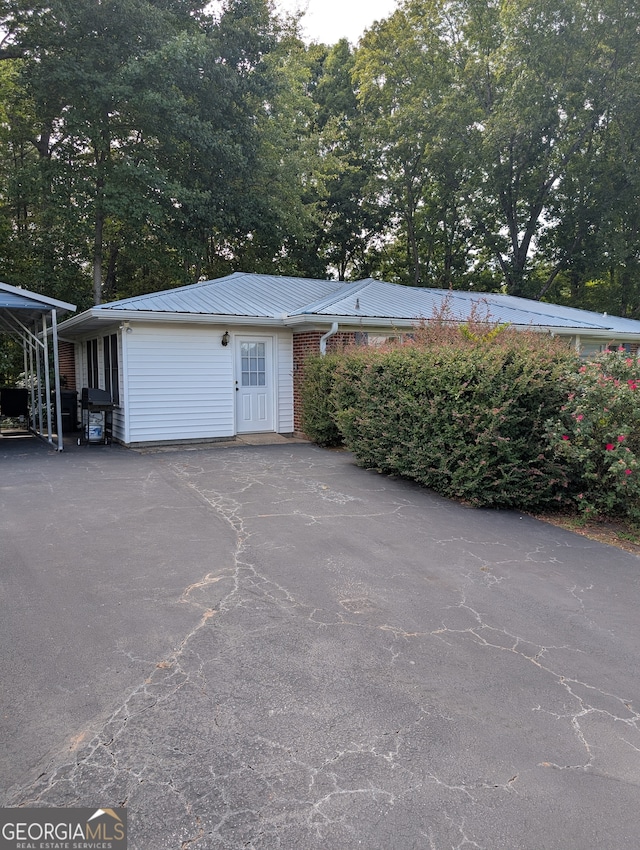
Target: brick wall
x,y
305,344
67,361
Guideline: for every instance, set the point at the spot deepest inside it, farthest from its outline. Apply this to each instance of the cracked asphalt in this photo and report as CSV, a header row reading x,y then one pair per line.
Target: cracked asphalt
x,y
268,647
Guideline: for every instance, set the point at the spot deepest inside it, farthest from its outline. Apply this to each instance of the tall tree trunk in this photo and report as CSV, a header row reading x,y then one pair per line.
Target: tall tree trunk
x,y
412,243
110,281
98,246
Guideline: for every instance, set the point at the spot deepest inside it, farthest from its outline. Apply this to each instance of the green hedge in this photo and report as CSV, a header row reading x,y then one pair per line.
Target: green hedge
x,y
318,414
466,419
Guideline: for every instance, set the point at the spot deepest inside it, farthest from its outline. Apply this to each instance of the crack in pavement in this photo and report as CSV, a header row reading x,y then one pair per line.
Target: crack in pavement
x,y
335,722
485,634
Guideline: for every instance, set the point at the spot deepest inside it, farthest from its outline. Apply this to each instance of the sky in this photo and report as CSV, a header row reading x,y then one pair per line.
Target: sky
x,y
328,21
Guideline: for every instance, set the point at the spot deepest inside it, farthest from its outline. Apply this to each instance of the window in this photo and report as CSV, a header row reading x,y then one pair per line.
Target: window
x,y
111,373
253,364
92,363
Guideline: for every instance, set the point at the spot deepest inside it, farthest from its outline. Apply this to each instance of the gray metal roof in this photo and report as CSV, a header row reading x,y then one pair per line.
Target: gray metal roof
x,y
373,298
239,294
290,300
21,307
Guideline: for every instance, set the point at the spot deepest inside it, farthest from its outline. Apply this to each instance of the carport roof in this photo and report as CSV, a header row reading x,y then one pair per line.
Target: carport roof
x,y
23,314
20,307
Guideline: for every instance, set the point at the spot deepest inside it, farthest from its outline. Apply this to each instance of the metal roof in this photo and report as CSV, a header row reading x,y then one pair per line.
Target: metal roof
x,y
238,294
23,315
20,307
283,300
373,298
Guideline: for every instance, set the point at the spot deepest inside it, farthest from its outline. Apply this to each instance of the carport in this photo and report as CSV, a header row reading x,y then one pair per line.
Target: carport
x,y
33,318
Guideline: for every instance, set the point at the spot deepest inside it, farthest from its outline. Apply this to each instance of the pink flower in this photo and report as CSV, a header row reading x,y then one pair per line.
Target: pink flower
x,y
621,438
632,385
564,437
580,417
610,447
627,472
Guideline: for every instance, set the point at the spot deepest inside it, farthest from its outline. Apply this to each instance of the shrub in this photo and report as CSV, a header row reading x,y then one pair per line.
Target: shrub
x,y
318,419
596,436
467,418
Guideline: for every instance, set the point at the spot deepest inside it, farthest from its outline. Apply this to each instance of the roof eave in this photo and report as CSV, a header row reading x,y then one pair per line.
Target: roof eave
x,y
52,303
598,333
348,321
96,317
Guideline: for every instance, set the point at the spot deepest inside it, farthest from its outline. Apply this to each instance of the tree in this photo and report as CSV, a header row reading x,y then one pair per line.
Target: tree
x,y
153,135
542,95
350,223
418,137
483,112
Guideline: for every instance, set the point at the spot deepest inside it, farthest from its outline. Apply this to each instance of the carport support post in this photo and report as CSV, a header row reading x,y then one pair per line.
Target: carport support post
x,y
31,383
38,386
25,358
47,379
56,378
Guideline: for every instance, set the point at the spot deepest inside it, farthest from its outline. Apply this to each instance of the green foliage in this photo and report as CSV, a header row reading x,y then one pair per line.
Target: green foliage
x,y
596,436
462,412
318,414
505,140
149,143
11,361
488,415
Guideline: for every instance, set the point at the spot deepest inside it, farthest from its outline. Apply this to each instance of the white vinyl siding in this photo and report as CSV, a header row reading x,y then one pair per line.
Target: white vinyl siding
x,y
82,378
180,383
177,381
284,372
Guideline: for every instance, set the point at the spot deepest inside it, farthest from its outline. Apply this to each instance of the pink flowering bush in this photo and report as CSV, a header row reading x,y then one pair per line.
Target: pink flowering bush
x,y
596,436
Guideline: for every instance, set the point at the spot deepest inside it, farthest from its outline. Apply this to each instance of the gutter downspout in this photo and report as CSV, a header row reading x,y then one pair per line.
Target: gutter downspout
x,y
323,339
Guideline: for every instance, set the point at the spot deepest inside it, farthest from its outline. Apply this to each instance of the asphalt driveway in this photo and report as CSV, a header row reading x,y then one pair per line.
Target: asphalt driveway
x,y
268,647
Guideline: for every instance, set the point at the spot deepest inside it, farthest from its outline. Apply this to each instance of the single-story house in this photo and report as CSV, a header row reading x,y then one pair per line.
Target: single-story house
x,y
221,358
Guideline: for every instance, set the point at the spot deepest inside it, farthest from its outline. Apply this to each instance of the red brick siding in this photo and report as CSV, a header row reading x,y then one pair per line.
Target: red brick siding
x,y
67,361
305,344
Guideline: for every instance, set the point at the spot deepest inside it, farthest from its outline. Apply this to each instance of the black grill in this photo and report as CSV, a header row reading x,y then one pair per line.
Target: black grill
x,y
97,417
93,398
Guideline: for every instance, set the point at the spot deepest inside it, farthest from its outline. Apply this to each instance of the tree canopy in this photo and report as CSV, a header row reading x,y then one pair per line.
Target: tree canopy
x,y
488,144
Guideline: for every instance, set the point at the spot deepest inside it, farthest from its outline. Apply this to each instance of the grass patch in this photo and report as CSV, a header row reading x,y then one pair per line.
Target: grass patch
x,y
616,532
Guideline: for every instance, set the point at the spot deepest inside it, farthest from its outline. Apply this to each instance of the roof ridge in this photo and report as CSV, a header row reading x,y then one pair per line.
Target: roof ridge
x,y
348,287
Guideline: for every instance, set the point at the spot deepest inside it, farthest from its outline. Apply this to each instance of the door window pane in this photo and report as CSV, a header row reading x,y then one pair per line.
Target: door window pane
x,y
253,364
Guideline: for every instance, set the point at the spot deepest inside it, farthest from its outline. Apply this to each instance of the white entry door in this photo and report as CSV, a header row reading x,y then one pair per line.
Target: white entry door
x,y
254,384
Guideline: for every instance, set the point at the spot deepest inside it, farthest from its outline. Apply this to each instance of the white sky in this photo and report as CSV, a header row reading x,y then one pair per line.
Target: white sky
x,y
328,21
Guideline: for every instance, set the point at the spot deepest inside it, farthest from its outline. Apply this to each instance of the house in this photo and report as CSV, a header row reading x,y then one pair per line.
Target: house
x,y
223,358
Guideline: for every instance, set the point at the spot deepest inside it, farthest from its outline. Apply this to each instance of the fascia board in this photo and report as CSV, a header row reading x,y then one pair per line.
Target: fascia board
x,y
598,333
53,303
96,317
351,322
348,322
